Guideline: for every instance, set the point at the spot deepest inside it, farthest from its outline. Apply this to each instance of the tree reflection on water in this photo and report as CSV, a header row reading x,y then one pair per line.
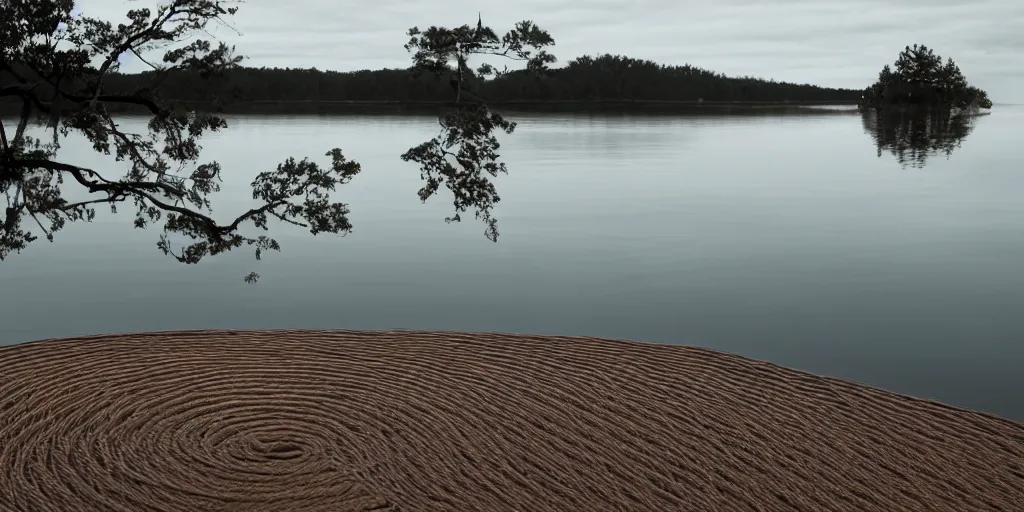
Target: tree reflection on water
x,y
914,135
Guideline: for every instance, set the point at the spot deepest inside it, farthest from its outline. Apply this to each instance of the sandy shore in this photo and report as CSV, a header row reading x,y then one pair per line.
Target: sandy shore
x,y
313,420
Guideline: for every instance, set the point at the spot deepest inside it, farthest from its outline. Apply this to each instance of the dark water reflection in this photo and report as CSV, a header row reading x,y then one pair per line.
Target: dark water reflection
x,y
777,237
913,136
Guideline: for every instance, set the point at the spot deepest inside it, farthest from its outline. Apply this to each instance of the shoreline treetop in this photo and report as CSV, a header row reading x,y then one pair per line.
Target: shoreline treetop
x,y
919,77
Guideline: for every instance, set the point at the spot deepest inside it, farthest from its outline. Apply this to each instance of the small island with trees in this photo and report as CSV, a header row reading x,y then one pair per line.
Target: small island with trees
x,y
920,78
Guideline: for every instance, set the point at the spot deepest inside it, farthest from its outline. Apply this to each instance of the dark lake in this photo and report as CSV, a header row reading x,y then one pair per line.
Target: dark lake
x,y
892,256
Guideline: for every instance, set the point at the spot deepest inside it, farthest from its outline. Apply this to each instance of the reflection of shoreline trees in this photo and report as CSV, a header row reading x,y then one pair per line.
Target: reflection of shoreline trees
x,y
914,134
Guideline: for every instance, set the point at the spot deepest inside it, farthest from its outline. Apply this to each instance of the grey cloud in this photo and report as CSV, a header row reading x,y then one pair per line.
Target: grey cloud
x,y
829,42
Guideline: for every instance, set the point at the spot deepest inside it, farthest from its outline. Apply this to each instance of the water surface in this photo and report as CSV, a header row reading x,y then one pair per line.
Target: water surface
x,y
786,238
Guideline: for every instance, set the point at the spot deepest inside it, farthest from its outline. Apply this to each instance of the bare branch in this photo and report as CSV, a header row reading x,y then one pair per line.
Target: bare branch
x,y
3,139
102,184
49,234
144,61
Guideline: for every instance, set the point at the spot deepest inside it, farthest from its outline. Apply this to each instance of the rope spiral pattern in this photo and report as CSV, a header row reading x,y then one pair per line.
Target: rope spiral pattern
x,y
404,420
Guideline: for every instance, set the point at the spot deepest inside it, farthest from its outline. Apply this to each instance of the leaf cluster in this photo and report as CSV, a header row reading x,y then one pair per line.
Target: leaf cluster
x,y
464,156
438,49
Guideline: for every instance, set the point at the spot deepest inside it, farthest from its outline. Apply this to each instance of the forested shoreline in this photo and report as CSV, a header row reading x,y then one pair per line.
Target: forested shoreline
x,y
607,81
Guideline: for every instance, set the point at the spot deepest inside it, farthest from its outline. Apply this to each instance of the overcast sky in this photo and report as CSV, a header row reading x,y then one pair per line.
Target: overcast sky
x,y
841,43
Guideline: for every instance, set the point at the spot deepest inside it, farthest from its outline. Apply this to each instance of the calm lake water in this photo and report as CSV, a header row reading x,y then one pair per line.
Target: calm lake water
x,y
785,238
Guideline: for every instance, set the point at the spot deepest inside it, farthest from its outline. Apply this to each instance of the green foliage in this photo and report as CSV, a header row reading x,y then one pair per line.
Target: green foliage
x,y
920,78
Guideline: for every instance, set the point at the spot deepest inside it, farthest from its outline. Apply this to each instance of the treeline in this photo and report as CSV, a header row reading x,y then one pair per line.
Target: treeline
x,y
603,78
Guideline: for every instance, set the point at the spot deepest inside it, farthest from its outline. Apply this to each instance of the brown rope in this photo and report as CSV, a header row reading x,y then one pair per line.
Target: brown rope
x,y
308,420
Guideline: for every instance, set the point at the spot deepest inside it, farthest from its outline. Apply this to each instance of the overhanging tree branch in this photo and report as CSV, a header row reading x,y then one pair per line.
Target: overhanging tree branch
x,y
164,178
295,193
464,155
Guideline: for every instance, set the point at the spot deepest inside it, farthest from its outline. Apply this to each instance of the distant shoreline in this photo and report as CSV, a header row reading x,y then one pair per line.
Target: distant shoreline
x,y
544,102
286,107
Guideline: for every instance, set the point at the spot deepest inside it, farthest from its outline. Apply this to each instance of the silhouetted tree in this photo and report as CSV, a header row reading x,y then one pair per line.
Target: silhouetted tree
x,y
61,70
464,156
920,78
914,135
